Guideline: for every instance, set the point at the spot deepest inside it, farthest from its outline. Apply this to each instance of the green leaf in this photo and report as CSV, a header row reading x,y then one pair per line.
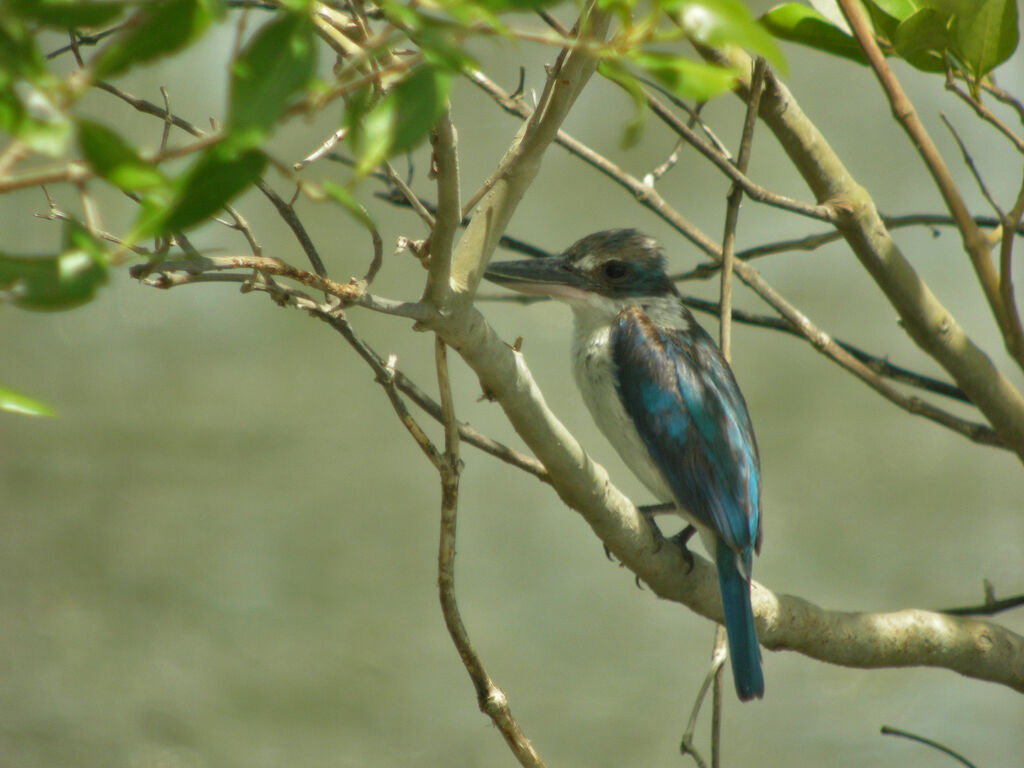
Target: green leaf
x,y
218,176
515,6
618,74
921,39
725,22
275,65
885,24
19,56
442,46
67,14
157,29
898,9
13,402
805,26
64,281
685,78
114,159
28,113
348,201
986,36
404,117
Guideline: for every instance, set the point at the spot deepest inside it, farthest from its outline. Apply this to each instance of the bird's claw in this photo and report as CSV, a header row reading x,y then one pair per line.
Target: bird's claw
x,y
681,539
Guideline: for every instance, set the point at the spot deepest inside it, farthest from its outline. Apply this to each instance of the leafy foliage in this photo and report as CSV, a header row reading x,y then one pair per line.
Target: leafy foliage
x,y
975,35
395,77
61,281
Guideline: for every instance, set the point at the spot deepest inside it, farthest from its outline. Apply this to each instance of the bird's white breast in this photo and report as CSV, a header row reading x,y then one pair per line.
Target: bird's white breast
x,y
594,371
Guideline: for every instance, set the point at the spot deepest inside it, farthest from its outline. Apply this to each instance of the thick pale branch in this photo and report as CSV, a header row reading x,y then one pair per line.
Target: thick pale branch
x,y
974,648
445,166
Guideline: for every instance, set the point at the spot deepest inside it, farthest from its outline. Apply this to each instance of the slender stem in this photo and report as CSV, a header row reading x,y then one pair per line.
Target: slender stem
x,y
732,211
888,730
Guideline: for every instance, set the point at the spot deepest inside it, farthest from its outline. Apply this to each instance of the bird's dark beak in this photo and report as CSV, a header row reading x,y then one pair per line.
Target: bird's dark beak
x,y
552,276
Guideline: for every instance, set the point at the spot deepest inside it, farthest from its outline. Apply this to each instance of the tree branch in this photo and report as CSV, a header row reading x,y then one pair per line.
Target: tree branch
x,y
491,698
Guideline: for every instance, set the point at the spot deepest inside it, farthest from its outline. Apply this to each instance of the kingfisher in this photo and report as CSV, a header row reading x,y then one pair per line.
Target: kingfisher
x,y
662,393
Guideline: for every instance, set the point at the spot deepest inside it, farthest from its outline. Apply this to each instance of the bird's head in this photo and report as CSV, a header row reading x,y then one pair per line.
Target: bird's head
x,y
607,269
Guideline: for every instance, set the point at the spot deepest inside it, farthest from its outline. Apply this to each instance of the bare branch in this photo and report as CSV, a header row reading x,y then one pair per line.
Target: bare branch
x,y
983,111
325,147
521,163
723,163
491,698
990,607
732,210
168,274
445,168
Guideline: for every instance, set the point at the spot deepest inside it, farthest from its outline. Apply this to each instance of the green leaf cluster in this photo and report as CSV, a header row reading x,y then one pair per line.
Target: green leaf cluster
x,y
29,94
643,49
157,29
976,36
400,120
60,281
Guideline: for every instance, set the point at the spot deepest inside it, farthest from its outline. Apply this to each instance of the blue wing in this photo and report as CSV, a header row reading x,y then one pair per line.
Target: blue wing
x,y
681,395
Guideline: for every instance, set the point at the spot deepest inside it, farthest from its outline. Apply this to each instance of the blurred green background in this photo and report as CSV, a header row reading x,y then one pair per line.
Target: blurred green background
x,y
223,551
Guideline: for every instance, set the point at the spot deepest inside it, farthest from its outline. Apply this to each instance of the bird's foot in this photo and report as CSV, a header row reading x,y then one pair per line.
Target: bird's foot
x,y
649,512
681,539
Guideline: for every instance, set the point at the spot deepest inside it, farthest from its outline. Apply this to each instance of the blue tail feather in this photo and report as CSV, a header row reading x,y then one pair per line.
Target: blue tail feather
x,y
739,625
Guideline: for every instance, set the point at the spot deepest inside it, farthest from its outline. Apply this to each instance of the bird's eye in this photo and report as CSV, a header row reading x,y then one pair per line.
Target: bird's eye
x,y
614,270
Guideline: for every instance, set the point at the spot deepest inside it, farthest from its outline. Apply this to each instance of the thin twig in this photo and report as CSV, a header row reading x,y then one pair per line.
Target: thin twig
x,y
732,210
990,606
719,650
325,147
168,274
890,731
969,162
408,195
723,163
492,699
76,172
813,242
982,111
670,162
386,378
287,212
687,746
288,296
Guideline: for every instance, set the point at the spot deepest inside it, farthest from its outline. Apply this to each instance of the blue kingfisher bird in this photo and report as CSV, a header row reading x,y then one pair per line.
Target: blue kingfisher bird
x,y
662,393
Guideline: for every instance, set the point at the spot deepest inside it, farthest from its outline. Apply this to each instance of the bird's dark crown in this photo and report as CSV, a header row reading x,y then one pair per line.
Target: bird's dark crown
x,y
620,263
